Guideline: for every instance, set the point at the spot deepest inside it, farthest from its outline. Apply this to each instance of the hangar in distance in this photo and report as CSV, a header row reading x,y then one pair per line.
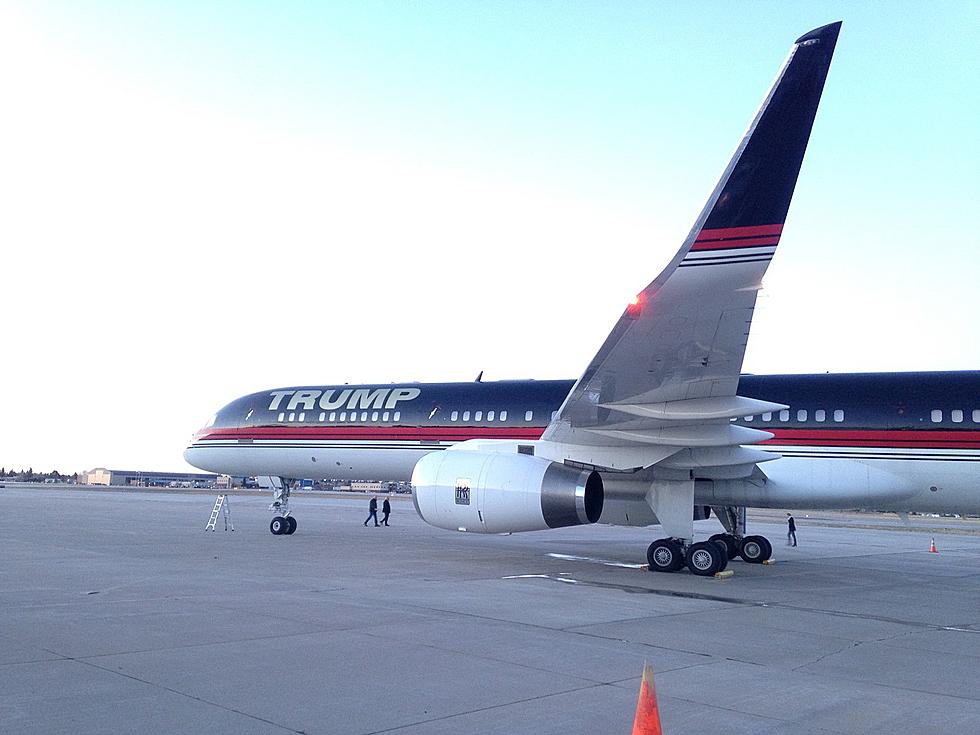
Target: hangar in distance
x,y
661,425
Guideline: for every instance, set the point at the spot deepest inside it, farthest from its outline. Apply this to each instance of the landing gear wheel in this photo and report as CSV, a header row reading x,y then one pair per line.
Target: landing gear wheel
x,y
724,555
755,549
292,525
731,543
705,558
278,525
665,555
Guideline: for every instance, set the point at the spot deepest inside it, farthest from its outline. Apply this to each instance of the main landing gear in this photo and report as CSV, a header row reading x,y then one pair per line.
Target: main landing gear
x,y
707,558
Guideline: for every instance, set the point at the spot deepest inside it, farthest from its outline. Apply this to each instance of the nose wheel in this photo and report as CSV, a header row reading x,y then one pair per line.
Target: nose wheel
x,y
283,526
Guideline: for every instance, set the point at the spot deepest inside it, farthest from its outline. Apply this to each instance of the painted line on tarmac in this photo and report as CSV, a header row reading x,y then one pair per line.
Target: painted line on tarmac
x,y
605,562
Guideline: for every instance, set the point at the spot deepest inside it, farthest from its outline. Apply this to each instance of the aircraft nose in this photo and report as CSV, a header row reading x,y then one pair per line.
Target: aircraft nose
x,y
191,456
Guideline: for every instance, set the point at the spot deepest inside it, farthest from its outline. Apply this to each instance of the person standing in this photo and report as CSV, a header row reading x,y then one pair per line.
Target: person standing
x,y
385,512
373,511
790,530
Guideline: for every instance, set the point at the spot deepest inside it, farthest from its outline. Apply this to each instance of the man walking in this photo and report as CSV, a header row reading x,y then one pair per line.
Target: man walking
x,y
385,512
791,530
373,512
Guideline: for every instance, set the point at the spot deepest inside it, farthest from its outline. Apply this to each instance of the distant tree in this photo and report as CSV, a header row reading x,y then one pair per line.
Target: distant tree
x,y
30,474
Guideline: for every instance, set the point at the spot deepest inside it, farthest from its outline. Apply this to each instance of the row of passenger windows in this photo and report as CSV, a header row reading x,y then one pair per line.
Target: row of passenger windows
x,y
956,416
346,416
478,416
342,416
820,415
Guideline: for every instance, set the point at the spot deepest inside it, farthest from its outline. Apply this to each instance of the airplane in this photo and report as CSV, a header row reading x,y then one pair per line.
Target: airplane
x,y
661,427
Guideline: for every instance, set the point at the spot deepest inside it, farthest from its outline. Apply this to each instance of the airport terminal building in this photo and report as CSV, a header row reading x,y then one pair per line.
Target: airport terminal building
x,y
142,478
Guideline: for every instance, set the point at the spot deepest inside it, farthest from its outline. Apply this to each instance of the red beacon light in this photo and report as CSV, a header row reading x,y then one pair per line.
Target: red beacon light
x,y
634,307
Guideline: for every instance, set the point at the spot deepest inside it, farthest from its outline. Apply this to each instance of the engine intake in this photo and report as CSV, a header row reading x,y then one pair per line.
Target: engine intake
x,y
486,492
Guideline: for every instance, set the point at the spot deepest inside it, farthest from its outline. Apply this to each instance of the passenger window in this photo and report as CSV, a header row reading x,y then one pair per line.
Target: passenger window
x,y
466,415
454,416
957,416
750,418
976,415
767,417
292,417
385,415
819,415
363,415
838,415
784,415
937,416
374,416
478,416
801,415
343,415
333,415
528,415
323,416
489,415
282,417
302,416
398,415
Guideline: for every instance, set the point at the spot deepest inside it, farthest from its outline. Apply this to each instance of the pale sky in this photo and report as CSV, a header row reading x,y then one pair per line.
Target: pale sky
x,y
205,200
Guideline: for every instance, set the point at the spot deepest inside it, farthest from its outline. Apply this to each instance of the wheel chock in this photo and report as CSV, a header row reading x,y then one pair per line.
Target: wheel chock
x,y
725,574
767,562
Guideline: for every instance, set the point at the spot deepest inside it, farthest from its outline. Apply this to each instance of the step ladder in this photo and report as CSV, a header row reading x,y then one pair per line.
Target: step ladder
x,y
221,504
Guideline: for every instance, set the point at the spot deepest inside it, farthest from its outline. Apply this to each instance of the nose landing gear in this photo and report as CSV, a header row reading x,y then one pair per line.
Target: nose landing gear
x,y
283,524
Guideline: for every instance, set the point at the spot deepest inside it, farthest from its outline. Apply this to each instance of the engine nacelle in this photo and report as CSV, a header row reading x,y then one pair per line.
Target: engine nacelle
x,y
485,492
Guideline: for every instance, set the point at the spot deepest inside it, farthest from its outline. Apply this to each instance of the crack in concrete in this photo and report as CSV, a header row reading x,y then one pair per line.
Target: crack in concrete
x,y
179,693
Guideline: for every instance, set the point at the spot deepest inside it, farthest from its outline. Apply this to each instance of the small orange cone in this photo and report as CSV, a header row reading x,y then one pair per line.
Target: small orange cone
x,y
932,546
647,721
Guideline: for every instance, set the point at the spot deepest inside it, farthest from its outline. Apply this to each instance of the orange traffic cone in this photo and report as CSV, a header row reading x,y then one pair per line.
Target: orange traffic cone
x,y
932,546
647,721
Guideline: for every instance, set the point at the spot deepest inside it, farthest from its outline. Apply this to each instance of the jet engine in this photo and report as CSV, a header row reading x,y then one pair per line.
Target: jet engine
x,y
486,492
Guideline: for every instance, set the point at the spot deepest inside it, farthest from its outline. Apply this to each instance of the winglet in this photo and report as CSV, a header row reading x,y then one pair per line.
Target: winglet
x,y
827,32
754,193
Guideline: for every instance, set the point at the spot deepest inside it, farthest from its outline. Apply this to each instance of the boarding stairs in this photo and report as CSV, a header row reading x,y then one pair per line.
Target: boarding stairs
x,y
220,505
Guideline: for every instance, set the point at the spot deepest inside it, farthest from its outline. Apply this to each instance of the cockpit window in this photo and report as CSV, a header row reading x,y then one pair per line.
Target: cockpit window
x,y
211,421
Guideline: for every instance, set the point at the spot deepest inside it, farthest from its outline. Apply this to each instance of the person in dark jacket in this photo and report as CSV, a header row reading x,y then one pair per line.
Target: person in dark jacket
x,y
790,530
373,512
385,512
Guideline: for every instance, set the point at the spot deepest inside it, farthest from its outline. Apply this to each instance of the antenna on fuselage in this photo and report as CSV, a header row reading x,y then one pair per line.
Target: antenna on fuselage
x,y
479,378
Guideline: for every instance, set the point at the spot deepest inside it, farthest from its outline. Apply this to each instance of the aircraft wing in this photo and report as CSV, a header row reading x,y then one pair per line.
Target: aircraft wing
x,y
662,387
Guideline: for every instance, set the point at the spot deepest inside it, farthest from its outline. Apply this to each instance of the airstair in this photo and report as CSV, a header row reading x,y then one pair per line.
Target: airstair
x,y
220,505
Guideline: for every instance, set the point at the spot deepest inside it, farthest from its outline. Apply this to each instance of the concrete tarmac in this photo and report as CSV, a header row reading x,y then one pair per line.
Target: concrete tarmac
x,y
119,614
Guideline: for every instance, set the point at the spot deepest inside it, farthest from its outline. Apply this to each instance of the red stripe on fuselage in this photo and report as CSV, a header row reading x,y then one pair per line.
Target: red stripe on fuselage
x,y
379,433
937,439
870,438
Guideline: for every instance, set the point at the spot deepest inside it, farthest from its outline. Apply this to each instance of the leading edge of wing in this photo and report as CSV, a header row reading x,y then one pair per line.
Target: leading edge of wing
x,y
683,338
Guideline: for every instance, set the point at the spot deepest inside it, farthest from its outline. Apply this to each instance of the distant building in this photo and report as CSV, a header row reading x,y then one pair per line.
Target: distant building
x,y
142,478
369,487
